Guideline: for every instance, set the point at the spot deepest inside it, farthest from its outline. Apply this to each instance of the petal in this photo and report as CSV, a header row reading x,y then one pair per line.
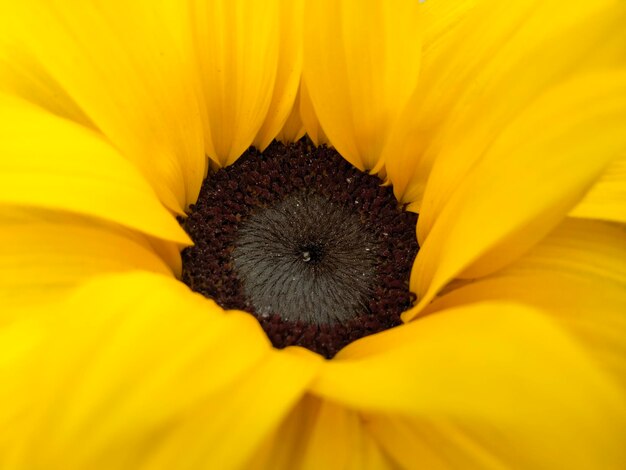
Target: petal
x,y
506,373
248,409
338,441
124,72
284,448
522,59
42,258
407,163
320,434
237,49
416,443
577,275
293,129
289,72
311,122
442,17
361,65
22,76
505,204
606,200
144,380
480,68
51,163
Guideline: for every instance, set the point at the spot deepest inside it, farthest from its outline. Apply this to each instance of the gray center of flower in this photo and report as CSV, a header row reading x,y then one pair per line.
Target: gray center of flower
x,y
306,259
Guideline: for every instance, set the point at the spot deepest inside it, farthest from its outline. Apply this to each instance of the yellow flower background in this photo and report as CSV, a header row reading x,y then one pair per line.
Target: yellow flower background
x,y
502,123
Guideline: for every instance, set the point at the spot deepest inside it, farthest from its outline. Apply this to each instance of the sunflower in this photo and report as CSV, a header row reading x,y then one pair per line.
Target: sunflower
x,y
502,124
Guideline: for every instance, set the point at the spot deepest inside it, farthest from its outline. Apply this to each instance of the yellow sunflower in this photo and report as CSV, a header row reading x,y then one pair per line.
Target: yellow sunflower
x,y
503,124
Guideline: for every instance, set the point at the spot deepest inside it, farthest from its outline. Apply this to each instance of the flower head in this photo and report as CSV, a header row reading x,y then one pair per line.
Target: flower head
x,y
503,124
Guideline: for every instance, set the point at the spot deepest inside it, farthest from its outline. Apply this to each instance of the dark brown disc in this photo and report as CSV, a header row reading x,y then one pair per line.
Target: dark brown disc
x,y
319,252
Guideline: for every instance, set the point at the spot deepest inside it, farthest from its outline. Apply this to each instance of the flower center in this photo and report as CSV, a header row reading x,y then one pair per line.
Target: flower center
x,y
306,259
319,252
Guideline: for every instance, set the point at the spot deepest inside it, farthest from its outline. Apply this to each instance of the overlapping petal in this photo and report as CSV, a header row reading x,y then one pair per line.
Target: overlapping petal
x,y
496,370
291,17
606,200
122,72
293,128
141,372
21,75
479,70
284,448
361,66
416,443
442,18
349,446
43,254
577,275
237,50
504,205
304,440
309,119
51,163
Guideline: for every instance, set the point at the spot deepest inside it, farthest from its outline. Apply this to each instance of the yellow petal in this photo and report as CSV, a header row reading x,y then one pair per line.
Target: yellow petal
x,y
338,441
41,259
442,17
309,119
289,72
144,380
606,200
525,183
167,251
22,76
577,274
293,129
416,443
520,57
482,65
51,163
123,70
237,49
238,419
361,65
320,434
506,373
284,448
